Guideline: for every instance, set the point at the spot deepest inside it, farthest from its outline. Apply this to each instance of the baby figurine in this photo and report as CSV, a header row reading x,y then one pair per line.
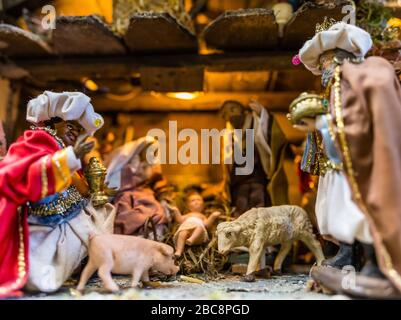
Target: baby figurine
x,y
193,225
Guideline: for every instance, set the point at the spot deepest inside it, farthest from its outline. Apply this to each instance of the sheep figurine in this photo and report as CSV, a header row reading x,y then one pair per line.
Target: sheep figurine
x,y
259,228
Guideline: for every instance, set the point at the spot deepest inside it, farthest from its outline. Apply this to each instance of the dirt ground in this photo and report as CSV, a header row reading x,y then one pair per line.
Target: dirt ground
x,y
287,286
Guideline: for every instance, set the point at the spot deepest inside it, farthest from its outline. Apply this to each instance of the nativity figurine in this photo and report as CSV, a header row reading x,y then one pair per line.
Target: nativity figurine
x,y
126,255
194,225
354,150
142,201
267,183
259,228
45,209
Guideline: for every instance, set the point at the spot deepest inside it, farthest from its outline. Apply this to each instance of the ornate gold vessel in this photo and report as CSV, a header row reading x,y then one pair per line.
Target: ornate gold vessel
x,y
307,105
95,174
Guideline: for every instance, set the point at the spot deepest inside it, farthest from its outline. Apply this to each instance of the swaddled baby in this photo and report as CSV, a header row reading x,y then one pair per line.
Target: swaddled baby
x,y
194,226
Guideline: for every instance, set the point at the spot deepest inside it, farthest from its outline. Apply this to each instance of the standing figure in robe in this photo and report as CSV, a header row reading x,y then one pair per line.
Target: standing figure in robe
x,y
46,216
267,184
355,146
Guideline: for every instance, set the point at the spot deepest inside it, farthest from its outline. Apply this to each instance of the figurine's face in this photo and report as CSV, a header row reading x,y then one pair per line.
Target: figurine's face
x,y
227,237
327,66
326,60
145,170
69,131
195,203
234,113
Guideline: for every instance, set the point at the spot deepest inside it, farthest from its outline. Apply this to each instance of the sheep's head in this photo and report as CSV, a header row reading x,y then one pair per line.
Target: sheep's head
x,y
228,236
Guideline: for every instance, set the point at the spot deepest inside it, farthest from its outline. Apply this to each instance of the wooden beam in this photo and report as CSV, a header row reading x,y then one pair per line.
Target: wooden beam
x,y
159,102
158,32
16,42
125,66
85,35
302,25
169,79
243,29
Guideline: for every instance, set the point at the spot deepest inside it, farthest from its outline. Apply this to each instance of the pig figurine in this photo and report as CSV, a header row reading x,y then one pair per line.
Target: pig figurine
x,y
123,254
259,228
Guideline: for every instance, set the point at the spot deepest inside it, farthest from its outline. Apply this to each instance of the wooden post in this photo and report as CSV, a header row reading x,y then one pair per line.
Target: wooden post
x,y
3,142
9,100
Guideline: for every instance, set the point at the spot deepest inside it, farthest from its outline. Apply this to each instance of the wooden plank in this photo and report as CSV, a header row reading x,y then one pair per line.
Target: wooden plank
x,y
245,29
302,25
110,67
9,107
158,32
154,101
18,43
85,35
166,79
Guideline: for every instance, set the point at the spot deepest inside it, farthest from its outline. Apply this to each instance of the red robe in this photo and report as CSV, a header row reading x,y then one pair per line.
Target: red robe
x,y
21,177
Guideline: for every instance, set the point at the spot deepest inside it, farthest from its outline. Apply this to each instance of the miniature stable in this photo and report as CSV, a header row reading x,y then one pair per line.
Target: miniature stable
x,y
172,68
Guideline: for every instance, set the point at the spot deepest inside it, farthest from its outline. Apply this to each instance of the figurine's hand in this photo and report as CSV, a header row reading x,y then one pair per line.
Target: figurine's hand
x,y
82,148
256,106
111,192
306,125
216,214
174,210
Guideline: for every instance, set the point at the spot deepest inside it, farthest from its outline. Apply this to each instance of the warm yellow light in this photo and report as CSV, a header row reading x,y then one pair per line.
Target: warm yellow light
x,y
394,23
91,85
183,95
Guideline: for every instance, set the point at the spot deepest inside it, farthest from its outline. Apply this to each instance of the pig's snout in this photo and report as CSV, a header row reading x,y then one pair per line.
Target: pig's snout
x,y
175,269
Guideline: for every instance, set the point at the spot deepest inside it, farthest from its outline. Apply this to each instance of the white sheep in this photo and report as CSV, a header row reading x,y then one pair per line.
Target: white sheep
x,y
259,228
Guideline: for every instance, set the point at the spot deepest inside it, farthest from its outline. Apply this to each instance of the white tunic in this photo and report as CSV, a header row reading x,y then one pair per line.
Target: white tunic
x,y
337,214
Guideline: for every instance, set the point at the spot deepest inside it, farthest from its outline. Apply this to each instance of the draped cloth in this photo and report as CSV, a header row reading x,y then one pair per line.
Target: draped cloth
x,y
20,181
371,100
37,253
136,201
56,251
136,204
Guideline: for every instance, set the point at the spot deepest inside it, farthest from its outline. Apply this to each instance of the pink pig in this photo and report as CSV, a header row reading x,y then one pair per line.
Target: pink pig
x,y
122,254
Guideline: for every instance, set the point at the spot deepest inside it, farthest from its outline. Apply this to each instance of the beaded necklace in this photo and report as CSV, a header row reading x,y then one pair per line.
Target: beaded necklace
x,y
53,133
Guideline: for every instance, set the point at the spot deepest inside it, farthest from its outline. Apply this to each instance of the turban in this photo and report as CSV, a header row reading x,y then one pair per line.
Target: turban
x,y
67,106
339,36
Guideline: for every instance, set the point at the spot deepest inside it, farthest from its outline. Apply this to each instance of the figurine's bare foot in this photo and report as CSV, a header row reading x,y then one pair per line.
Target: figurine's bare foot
x,y
249,277
277,271
177,254
112,288
265,273
80,289
105,274
195,237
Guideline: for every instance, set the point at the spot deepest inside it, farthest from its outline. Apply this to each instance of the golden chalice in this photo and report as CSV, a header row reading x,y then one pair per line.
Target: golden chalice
x,y
95,174
306,105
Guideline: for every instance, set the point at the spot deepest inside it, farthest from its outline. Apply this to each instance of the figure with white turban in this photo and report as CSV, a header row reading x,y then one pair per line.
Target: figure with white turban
x,y
46,216
354,146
